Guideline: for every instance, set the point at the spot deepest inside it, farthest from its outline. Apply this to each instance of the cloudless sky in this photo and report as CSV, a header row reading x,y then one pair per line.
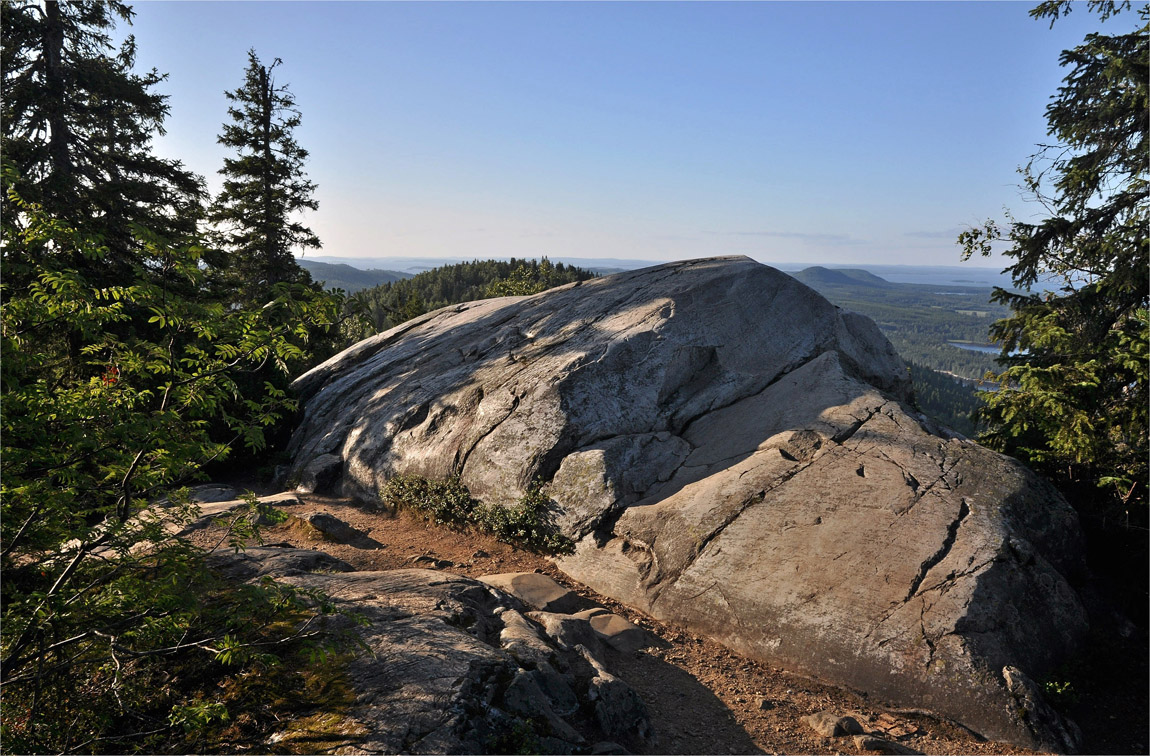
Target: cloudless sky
x,y
840,132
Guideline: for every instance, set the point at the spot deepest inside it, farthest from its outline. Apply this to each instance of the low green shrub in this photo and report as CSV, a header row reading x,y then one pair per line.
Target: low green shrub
x,y
444,502
527,524
448,502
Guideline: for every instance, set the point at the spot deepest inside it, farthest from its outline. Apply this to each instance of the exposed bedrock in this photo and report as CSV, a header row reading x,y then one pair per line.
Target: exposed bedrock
x,y
454,666
732,453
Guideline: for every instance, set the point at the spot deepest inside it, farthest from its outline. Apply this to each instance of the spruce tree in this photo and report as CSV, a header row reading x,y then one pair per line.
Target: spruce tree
x,y
265,187
1074,395
77,128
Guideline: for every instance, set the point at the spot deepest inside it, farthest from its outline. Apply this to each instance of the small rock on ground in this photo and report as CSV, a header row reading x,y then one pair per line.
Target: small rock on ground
x,y
831,725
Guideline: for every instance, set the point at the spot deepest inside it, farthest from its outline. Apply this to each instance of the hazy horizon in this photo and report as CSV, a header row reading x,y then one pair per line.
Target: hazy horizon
x,y
943,275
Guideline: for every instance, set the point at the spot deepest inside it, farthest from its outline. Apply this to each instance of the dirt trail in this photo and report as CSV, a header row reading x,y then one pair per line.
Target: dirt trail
x,y
703,698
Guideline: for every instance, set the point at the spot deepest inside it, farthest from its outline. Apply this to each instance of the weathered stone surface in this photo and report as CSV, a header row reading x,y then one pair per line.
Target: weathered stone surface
x,y
587,614
537,591
733,454
453,668
330,526
430,562
618,709
902,563
831,725
522,639
205,493
211,510
569,631
262,561
502,390
213,492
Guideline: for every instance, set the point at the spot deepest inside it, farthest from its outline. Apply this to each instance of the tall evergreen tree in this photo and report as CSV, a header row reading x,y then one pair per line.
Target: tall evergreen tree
x,y
77,127
265,187
1074,397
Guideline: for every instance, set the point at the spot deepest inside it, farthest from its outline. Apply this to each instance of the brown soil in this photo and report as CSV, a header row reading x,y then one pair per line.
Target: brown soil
x,y
703,698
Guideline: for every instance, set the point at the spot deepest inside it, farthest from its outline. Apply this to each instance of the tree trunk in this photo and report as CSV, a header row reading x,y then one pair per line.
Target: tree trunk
x,y
270,270
59,135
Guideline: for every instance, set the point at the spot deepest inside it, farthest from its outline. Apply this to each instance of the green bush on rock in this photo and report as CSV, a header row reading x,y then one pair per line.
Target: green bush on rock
x,y
444,502
448,502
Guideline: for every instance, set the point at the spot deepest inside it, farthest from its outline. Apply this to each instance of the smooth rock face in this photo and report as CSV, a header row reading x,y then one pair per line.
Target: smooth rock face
x,y
732,453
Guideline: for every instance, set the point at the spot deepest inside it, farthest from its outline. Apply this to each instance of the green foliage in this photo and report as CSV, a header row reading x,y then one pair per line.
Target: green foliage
x,y
109,393
1074,403
1061,694
390,304
526,280
256,226
448,502
196,716
527,524
126,370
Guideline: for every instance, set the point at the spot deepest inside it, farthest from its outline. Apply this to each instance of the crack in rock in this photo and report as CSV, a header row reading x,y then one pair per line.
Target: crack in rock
x,y
515,398
943,550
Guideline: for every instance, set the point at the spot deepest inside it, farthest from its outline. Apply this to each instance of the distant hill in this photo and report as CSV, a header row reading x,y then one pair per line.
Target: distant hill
x,y
339,276
819,276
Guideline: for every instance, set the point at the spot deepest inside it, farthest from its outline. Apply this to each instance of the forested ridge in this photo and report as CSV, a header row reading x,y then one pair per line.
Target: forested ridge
x,y
390,304
951,401
920,320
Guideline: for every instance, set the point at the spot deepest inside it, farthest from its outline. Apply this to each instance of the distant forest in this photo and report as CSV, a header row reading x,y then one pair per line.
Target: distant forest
x,y
919,320
950,401
389,304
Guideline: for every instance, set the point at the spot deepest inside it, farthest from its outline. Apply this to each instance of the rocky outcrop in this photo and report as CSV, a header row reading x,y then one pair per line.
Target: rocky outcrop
x,y
454,665
735,454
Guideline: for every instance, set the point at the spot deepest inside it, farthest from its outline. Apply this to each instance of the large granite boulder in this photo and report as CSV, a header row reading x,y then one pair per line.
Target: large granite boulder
x,y
733,453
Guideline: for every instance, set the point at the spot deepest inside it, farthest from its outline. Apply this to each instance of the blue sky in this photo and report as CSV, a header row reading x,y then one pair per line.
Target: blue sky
x,y
848,132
